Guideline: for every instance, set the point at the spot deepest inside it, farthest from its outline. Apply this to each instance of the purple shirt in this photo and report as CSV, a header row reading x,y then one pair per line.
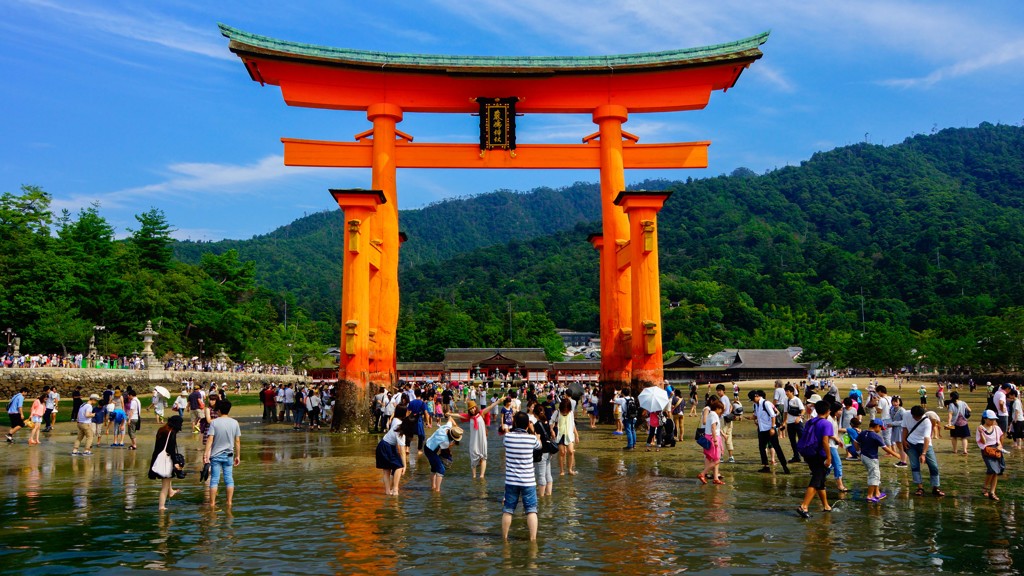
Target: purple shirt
x,y
819,428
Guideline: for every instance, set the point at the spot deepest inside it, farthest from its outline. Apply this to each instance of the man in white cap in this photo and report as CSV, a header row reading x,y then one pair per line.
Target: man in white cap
x,y
86,429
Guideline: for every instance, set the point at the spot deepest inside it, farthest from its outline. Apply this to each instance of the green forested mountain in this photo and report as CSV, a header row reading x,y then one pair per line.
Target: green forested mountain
x,y
928,235
865,255
304,257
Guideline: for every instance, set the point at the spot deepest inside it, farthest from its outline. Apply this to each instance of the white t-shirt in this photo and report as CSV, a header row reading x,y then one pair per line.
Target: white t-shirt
x,y
999,399
621,403
1017,411
882,410
780,396
923,428
790,419
134,409
711,421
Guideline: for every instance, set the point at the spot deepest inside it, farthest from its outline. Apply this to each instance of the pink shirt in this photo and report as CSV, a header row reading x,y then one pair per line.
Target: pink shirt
x,y
38,408
986,438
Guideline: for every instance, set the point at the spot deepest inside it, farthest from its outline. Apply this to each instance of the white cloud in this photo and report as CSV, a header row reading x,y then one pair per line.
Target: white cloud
x,y
1004,54
146,27
190,179
952,36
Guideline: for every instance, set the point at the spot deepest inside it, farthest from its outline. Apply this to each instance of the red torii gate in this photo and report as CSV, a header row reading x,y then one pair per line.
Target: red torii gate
x,y
387,85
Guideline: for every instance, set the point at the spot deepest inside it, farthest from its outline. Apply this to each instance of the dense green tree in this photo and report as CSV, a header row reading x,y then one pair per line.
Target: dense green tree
x,y
152,240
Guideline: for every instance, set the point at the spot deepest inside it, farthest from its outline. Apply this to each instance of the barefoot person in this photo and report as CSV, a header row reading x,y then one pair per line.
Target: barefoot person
x,y
567,438
223,451
520,481
166,441
437,448
478,420
990,439
389,460
957,420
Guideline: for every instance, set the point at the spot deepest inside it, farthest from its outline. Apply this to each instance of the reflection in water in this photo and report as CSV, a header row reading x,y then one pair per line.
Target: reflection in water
x,y
312,504
358,542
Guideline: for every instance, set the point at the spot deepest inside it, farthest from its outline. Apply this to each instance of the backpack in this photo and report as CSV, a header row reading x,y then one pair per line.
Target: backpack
x,y
810,442
631,407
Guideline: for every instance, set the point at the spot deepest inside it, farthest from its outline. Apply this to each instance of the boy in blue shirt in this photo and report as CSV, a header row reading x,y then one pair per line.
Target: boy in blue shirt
x,y
868,443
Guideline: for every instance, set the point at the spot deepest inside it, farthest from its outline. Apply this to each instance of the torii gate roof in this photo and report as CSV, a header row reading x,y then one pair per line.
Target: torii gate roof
x,y
346,79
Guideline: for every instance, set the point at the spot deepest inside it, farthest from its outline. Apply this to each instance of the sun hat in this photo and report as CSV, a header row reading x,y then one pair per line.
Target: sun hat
x,y
853,386
94,396
456,433
814,399
989,414
471,404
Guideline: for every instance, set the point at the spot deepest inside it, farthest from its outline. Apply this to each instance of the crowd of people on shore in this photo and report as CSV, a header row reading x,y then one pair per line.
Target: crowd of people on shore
x,y
135,362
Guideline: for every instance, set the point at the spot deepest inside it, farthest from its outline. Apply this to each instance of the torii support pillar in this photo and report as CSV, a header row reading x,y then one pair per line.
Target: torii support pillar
x,y
642,252
362,260
616,356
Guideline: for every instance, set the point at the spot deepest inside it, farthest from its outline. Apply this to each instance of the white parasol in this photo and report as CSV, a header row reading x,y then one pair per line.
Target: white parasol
x,y
653,399
162,391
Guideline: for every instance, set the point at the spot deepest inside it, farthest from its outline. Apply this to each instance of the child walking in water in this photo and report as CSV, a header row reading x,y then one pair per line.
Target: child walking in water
x,y
36,418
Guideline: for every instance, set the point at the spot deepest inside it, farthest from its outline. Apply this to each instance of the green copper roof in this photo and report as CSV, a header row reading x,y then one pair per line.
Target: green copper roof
x,y
245,42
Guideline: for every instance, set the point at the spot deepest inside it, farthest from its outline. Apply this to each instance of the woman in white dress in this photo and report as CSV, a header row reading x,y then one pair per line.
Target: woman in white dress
x,y
479,421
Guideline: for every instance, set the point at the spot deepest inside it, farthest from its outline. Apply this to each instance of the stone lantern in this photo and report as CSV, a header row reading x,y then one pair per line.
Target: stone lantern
x,y
147,346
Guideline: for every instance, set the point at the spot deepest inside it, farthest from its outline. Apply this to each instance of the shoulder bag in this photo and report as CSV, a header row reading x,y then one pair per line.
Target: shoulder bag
x,y
163,465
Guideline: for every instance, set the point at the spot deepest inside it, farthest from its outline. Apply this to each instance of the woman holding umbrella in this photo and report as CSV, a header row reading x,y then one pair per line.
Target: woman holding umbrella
x,y
654,400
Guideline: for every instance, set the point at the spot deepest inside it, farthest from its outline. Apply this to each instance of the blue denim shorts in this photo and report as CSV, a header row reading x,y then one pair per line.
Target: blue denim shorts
x,y
512,494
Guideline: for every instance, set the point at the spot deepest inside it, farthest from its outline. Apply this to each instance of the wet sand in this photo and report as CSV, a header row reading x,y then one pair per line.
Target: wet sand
x,y
312,503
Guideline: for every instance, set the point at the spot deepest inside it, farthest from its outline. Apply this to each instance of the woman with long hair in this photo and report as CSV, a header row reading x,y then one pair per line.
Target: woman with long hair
x,y
678,405
166,441
567,438
542,427
478,420
956,422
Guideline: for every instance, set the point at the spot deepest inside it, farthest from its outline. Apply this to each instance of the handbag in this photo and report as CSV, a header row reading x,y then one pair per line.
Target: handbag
x,y
163,465
992,451
701,439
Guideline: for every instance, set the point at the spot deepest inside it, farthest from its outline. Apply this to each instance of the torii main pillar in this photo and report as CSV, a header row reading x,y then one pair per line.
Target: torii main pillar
x,y
645,288
616,356
361,269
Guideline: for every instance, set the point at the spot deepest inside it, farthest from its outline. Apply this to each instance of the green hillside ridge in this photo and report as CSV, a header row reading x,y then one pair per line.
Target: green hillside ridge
x,y
930,230
286,256
926,235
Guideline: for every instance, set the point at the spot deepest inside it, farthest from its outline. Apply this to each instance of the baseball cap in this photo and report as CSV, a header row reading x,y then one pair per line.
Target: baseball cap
x,y
877,422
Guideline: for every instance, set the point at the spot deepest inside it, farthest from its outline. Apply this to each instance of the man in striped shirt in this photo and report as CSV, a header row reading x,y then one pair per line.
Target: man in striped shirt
x,y
520,481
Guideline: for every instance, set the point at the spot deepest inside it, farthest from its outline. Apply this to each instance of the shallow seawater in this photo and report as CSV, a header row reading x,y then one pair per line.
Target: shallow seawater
x,y
313,504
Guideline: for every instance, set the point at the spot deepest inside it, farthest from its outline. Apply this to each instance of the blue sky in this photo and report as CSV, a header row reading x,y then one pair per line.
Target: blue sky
x,y
140,104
